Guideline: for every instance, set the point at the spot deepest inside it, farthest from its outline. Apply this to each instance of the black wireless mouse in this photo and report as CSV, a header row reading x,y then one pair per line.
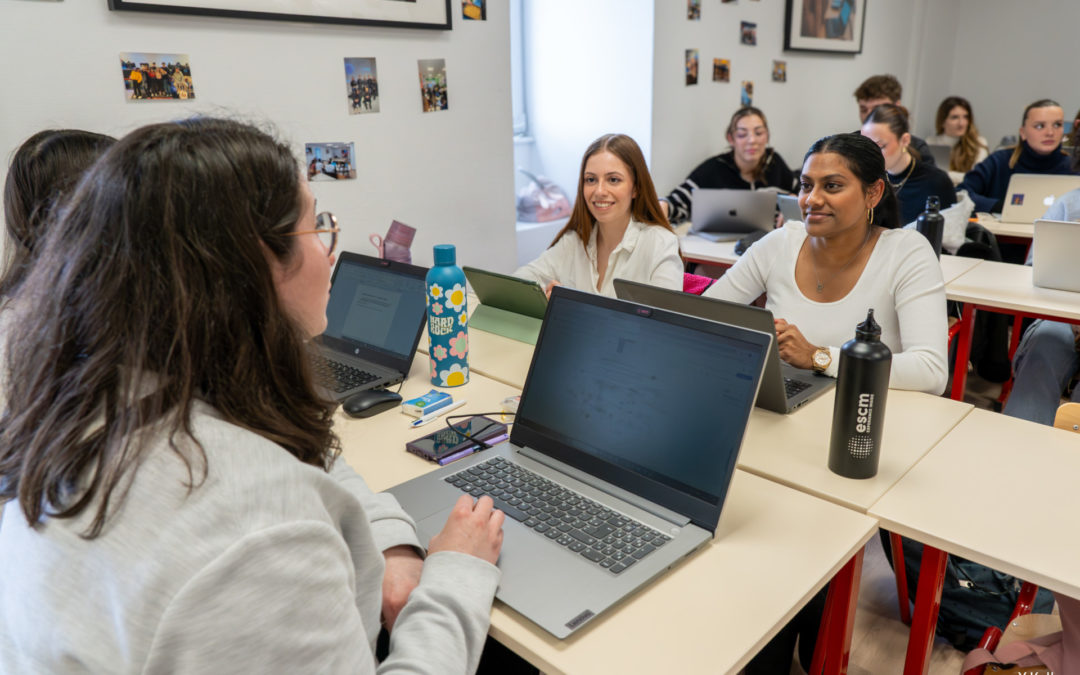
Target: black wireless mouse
x,y
370,402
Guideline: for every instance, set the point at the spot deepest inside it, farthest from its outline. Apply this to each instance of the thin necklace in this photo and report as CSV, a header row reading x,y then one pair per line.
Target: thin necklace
x,y
813,262
897,188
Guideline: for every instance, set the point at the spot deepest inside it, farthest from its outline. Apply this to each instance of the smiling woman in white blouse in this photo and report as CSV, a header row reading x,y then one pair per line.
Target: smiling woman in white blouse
x,y
616,229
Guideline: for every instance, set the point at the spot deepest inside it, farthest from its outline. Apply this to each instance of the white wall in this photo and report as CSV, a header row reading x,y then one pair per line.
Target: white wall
x,y
1009,54
816,100
589,73
449,174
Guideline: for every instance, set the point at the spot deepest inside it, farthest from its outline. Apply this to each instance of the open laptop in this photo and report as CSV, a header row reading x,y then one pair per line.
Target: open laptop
x,y
789,207
724,215
375,316
1053,256
783,386
508,306
629,424
941,154
1030,194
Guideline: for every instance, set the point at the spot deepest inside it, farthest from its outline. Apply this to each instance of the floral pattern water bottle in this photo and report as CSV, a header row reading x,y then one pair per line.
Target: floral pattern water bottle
x,y
448,320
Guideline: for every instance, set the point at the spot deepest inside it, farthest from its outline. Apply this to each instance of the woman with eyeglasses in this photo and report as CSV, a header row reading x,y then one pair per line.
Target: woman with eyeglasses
x,y
750,164
172,491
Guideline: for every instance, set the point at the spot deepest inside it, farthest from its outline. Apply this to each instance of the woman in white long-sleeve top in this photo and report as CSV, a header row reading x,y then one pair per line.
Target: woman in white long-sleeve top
x,y
617,229
849,256
172,492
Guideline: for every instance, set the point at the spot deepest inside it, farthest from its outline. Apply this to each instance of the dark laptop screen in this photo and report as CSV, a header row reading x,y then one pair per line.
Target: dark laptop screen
x,y
375,307
643,398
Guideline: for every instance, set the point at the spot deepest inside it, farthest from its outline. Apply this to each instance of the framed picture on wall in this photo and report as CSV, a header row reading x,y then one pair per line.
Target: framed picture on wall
x,y
434,14
825,25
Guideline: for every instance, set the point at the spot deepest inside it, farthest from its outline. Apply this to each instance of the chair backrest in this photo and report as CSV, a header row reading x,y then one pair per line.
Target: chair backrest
x,y
1068,417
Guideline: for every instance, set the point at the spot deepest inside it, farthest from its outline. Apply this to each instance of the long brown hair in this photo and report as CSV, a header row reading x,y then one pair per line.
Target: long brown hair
x,y
43,169
153,291
963,154
644,208
1074,141
746,111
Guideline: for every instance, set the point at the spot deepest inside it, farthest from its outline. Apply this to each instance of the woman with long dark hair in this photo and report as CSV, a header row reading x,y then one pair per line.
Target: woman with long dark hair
x,y
173,496
750,164
848,256
955,127
616,228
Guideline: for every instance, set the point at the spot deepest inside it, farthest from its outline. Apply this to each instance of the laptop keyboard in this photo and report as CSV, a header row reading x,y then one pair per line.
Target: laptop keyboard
x,y
338,377
607,538
793,387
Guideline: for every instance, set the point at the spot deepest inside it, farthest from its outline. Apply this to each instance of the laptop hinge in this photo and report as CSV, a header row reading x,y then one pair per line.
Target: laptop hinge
x,y
607,488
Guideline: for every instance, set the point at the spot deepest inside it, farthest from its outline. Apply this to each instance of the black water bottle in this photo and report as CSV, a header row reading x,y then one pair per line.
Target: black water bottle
x,y
862,385
932,224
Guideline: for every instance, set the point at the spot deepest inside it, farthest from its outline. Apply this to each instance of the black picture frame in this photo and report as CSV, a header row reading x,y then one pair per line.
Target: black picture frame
x,y
834,26
425,14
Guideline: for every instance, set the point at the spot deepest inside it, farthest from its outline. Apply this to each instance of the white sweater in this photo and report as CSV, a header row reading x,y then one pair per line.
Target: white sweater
x,y
270,566
647,253
901,282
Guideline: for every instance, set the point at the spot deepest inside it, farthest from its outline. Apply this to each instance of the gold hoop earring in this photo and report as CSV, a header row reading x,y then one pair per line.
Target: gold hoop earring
x,y
870,216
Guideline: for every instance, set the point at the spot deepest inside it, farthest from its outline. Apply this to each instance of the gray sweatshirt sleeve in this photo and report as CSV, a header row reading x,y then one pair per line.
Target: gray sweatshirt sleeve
x,y
390,525
285,599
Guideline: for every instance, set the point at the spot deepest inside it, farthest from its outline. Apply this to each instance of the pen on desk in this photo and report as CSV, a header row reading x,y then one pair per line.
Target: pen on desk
x,y
421,421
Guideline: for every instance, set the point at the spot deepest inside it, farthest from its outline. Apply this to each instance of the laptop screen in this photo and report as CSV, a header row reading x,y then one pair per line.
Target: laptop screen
x,y
652,401
375,306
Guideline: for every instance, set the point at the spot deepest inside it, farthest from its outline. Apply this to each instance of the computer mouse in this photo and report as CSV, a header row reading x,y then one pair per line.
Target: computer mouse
x,y
370,402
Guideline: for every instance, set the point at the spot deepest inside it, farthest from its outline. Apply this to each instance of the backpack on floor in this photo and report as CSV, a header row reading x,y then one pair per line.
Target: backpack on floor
x,y
973,598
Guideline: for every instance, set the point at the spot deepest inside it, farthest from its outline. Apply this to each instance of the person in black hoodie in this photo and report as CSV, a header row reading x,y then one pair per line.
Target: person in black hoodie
x,y
1037,151
750,164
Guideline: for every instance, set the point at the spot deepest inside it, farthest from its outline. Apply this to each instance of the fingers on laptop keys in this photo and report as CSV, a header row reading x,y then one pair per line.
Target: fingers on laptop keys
x,y
474,528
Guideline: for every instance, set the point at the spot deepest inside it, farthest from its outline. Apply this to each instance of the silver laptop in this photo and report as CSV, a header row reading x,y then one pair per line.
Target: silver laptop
x,y
941,154
1053,258
783,386
724,215
620,458
789,207
375,316
1030,194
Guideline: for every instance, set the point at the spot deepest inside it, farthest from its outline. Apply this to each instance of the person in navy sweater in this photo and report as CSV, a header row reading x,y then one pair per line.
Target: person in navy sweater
x,y
1038,151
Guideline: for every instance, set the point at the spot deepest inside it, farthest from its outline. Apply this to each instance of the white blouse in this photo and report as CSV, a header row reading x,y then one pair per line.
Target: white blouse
x,y
901,282
647,253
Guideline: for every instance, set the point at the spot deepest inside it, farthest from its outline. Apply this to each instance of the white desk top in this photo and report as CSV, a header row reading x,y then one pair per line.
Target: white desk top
x,y
1000,229
794,449
1009,286
999,491
715,610
375,446
777,548
953,266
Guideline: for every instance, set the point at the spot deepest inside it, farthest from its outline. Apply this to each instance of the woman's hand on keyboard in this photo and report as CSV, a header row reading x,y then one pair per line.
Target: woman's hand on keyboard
x,y
474,528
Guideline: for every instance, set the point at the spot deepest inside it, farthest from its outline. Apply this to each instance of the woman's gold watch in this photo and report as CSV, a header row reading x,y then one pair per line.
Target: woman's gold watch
x,y
822,359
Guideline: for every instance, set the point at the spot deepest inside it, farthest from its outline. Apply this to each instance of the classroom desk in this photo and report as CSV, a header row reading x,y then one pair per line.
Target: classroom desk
x,y
1008,289
776,548
1020,233
793,449
1017,529
954,266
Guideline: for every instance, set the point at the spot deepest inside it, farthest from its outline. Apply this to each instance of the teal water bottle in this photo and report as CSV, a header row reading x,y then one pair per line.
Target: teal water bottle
x,y
448,320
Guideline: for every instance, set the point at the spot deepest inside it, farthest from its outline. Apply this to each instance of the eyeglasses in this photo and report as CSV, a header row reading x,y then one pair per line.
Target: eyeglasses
x,y
326,227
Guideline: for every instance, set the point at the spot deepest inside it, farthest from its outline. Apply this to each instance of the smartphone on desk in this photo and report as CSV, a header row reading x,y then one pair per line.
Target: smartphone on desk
x,y
461,440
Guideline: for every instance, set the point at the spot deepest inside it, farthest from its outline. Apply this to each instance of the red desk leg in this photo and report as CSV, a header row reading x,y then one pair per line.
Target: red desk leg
x,y
900,572
963,351
833,649
927,604
1014,343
